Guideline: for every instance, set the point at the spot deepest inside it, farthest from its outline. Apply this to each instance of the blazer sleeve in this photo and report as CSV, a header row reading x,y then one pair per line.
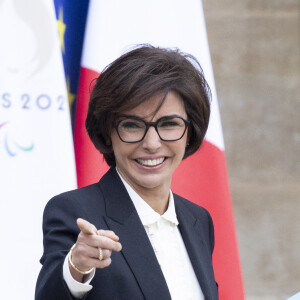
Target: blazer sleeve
x,y
60,233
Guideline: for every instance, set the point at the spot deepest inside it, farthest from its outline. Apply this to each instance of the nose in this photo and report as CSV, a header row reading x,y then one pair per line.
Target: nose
x,y
151,141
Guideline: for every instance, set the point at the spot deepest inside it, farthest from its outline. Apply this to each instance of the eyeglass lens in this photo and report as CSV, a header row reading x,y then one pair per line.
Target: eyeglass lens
x,y
169,129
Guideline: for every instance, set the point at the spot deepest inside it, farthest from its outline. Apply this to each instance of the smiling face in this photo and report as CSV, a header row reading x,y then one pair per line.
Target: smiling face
x,y
150,163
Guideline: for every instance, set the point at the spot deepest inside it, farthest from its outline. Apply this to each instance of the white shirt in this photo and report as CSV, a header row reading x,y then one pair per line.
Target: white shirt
x,y
169,249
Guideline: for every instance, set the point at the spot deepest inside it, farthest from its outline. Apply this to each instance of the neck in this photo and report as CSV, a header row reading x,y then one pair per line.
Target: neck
x,y
157,199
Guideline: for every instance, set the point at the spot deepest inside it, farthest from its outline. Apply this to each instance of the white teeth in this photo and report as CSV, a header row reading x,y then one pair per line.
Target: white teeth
x,y
150,162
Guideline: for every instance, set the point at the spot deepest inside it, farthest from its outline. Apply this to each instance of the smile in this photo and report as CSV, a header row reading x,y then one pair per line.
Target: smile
x,y
150,162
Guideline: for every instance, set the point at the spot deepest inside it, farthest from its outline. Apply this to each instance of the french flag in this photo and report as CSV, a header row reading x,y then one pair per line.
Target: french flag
x,y
112,28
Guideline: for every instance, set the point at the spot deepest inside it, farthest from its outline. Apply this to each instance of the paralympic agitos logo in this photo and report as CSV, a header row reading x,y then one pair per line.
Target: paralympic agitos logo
x,y
12,146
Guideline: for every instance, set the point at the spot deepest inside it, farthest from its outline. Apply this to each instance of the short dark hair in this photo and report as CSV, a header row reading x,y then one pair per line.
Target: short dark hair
x,y
135,77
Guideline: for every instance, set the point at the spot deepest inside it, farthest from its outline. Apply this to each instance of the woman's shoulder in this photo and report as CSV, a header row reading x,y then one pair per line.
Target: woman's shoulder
x,y
65,208
87,191
77,197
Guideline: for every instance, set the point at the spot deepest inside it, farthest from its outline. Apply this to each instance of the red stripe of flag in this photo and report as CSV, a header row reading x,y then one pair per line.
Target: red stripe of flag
x,y
89,162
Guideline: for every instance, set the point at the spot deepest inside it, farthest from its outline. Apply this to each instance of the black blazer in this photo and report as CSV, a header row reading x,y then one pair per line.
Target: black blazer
x,y
134,272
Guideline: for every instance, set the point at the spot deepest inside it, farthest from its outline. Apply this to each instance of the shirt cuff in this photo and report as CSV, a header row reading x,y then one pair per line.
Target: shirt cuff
x,y
77,289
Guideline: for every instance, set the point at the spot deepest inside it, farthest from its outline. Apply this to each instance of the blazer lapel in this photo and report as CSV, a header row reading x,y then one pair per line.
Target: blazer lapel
x,y
190,229
137,250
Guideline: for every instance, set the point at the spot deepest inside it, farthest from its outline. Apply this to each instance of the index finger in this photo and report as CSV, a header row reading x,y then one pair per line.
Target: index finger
x,y
86,227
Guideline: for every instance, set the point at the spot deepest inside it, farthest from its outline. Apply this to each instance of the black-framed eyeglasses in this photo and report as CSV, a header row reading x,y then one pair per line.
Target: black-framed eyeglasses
x,y
132,129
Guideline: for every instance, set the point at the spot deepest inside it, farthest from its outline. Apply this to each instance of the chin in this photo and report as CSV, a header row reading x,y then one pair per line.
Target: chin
x,y
152,183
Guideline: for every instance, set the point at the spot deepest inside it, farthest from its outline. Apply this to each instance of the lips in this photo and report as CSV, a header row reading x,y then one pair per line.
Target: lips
x,y
150,162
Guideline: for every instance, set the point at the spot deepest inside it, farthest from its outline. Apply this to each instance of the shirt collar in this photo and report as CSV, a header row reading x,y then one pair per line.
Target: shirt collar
x,y
147,215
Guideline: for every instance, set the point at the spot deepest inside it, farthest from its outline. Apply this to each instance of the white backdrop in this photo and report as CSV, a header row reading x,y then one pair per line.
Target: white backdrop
x,y
36,147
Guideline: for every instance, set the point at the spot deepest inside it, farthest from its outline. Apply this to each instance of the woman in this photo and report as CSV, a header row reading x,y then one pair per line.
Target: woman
x,y
130,236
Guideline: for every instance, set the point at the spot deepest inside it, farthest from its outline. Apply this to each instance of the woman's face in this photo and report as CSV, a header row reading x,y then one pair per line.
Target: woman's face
x,y
149,164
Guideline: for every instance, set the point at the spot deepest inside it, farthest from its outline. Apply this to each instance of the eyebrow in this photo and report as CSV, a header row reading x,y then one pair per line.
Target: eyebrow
x,y
137,117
